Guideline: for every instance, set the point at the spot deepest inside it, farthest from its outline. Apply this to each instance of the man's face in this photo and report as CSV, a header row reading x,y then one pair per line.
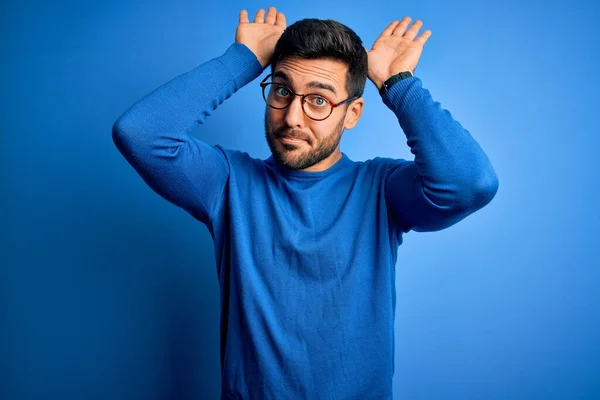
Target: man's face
x,y
297,141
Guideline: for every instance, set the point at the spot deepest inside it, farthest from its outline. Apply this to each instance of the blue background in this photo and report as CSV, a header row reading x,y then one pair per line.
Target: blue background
x,y
109,291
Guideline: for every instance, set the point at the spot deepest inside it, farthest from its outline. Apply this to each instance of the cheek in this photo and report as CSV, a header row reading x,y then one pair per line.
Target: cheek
x,y
323,132
273,121
274,115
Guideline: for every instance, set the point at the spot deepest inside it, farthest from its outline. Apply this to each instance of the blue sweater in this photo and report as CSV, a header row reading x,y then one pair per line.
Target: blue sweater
x,y
305,260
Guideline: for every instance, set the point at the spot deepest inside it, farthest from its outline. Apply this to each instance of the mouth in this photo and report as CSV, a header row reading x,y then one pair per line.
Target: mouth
x,y
290,140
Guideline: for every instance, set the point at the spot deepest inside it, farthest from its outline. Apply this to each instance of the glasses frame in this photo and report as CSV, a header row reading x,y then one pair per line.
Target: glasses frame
x,y
333,105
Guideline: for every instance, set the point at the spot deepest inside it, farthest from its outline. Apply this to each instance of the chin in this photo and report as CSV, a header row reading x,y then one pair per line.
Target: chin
x,y
294,159
290,161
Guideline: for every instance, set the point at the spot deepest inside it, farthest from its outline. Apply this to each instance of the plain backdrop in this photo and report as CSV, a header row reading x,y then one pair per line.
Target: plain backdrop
x,y
107,291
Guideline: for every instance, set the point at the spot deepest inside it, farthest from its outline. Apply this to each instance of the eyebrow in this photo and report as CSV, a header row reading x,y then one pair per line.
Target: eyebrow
x,y
312,84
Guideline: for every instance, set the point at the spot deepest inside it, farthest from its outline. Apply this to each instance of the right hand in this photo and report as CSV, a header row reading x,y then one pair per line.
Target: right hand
x,y
262,35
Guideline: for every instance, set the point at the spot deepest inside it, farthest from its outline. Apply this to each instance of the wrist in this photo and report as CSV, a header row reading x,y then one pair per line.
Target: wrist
x,y
392,80
379,81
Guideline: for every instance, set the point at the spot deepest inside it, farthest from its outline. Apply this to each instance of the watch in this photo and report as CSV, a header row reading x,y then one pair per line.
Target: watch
x,y
396,78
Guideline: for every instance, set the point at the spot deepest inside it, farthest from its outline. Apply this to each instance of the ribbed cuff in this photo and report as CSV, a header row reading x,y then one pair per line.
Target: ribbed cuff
x,y
241,63
402,94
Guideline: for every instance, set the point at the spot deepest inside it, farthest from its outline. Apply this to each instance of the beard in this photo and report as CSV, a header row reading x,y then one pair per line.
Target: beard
x,y
291,155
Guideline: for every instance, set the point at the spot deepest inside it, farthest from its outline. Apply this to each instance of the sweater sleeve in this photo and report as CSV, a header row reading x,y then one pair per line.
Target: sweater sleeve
x,y
154,134
450,177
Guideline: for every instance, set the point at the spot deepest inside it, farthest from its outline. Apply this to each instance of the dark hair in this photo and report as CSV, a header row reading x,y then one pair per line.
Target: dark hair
x,y
314,38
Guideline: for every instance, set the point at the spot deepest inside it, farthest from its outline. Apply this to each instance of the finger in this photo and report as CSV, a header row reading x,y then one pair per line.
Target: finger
x,y
280,20
390,29
260,17
244,17
401,27
423,38
412,32
271,16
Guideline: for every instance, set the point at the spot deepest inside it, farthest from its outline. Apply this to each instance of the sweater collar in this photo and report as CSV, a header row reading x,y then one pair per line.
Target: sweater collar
x,y
288,172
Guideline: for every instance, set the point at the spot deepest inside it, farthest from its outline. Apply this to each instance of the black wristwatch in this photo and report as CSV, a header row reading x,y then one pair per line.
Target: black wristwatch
x,y
396,78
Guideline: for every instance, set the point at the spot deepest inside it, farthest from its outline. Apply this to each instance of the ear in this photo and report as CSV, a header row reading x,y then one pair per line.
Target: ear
x,y
354,112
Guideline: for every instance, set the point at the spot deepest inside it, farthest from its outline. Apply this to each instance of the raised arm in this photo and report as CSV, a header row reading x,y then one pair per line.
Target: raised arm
x,y
451,177
154,133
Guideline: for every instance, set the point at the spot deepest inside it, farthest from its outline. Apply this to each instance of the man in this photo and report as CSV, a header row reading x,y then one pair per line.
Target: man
x,y
306,241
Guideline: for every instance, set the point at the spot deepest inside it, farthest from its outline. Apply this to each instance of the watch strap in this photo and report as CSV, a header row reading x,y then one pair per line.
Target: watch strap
x,y
395,78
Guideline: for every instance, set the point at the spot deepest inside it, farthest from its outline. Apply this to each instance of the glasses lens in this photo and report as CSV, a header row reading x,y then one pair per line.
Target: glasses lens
x,y
316,107
277,96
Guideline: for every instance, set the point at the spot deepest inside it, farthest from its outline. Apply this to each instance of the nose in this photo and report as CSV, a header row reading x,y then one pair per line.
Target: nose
x,y
294,116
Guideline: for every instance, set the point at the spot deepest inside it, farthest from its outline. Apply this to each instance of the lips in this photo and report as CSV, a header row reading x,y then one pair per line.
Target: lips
x,y
292,140
291,136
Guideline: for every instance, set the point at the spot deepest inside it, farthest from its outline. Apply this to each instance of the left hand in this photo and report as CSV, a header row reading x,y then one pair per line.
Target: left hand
x,y
396,50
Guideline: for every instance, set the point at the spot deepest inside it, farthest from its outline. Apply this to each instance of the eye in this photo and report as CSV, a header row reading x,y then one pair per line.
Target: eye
x,y
317,101
282,91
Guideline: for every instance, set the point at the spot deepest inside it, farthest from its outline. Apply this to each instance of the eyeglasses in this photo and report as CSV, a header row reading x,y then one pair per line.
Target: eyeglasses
x,y
315,106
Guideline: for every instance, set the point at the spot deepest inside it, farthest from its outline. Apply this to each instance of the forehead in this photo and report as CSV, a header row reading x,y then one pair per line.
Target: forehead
x,y
303,74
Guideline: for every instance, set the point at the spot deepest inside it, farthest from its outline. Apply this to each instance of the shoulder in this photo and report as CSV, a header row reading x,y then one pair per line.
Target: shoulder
x,y
380,165
241,161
